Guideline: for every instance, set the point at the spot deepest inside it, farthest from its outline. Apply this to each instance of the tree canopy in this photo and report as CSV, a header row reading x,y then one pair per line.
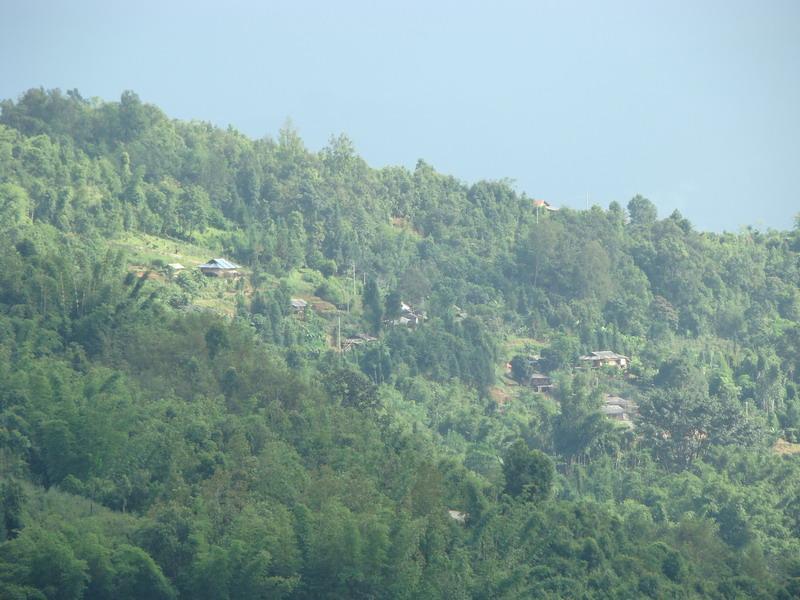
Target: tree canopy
x,y
354,415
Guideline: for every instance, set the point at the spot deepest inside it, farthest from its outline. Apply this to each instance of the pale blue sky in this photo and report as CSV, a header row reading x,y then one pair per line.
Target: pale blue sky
x,y
695,105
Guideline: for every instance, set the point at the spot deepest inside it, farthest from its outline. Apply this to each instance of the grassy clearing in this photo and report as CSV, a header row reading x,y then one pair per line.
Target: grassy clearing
x,y
146,250
783,447
521,345
149,253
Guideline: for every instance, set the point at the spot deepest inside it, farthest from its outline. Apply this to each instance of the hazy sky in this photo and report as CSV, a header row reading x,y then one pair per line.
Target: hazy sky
x,y
695,105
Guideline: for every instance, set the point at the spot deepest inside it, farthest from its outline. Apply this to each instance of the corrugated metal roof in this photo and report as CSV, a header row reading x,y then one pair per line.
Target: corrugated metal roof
x,y
602,354
219,263
619,401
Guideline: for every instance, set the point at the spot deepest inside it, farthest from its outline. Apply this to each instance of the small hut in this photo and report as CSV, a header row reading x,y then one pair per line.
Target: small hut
x,y
298,304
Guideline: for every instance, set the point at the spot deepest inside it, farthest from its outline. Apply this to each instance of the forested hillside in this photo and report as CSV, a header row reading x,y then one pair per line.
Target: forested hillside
x,y
164,434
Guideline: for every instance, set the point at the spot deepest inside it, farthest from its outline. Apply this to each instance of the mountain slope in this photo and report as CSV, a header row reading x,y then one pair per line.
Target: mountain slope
x,y
170,435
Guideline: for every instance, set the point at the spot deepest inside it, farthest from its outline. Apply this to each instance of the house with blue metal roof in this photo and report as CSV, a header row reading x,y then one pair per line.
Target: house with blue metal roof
x,y
219,267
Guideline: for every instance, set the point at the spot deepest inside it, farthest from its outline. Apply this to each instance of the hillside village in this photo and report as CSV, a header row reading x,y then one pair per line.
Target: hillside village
x,y
613,407
239,368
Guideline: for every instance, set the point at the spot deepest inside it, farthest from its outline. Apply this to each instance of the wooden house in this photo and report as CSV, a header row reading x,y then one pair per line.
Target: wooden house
x,y
540,383
619,409
603,358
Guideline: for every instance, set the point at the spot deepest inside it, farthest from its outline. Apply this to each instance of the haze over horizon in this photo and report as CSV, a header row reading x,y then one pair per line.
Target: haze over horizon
x,y
693,106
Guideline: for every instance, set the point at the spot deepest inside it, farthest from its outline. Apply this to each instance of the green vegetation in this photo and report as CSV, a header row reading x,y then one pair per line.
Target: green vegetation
x,y
169,435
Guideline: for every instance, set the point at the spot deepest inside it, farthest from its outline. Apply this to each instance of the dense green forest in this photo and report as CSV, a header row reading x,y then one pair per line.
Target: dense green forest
x,y
164,434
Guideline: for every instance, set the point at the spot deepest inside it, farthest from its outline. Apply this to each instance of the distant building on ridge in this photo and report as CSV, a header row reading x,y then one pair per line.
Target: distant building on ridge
x,y
545,205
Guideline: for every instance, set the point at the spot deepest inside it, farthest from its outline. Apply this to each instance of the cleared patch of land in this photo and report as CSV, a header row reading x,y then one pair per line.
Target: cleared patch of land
x,y
783,447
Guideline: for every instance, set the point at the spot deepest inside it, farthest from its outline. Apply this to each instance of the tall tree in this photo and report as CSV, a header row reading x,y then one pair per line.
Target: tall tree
x,y
529,473
373,307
